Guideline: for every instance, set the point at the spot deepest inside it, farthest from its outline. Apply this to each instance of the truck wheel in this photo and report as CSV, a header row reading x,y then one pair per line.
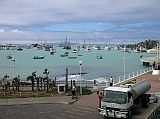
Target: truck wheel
x,y
145,101
105,117
130,115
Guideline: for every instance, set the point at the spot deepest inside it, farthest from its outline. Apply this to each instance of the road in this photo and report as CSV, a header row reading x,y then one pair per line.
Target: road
x,y
47,111
60,111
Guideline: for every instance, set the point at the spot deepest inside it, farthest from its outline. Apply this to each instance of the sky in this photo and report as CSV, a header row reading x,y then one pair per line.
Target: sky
x,y
96,21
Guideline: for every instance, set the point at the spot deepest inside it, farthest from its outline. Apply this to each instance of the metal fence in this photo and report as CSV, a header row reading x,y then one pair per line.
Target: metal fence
x,y
120,79
131,75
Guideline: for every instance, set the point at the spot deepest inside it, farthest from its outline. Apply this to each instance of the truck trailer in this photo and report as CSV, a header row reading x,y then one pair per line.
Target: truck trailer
x,y
119,101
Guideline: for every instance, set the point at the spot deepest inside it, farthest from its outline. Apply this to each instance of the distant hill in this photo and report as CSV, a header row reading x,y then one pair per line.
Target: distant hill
x,y
148,44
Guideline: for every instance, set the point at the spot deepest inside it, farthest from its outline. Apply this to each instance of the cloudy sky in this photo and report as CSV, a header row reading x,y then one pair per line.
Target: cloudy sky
x,y
93,20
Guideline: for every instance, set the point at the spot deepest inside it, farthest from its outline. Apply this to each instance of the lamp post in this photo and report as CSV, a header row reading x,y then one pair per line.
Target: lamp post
x,y
124,63
13,60
80,72
47,72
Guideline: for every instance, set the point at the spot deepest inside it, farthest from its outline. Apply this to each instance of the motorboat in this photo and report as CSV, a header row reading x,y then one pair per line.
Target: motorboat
x,y
52,51
38,57
99,57
19,49
64,55
125,49
72,57
9,57
13,59
80,55
75,51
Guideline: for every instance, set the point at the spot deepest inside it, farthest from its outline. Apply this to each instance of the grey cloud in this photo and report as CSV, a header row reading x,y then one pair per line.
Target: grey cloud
x,y
24,12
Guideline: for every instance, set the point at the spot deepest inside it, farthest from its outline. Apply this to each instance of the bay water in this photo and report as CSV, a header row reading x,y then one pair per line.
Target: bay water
x,y
112,63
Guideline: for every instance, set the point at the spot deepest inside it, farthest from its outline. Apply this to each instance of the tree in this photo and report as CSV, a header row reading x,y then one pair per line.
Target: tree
x,y
37,80
32,79
16,81
5,82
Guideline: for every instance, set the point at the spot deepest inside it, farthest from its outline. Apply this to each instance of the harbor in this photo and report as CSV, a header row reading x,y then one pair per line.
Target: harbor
x,y
97,64
71,59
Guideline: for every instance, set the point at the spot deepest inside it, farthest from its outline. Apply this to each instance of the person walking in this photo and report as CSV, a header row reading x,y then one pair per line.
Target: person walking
x,y
100,96
111,81
74,90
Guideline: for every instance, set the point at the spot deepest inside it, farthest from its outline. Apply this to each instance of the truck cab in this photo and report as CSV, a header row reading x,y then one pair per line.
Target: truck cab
x,y
117,102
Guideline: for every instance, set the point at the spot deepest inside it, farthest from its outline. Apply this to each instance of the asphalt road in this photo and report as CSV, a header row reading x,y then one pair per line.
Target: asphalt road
x,y
47,111
60,111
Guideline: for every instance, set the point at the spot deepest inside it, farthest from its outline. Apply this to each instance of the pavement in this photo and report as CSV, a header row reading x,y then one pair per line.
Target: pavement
x,y
87,101
82,101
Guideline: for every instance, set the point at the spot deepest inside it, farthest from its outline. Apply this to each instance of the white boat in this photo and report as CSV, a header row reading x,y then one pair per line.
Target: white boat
x,y
153,51
107,48
75,51
52,51
13,59
125,49
88,49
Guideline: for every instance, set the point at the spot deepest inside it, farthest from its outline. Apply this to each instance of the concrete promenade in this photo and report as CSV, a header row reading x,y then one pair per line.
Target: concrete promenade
x,y
91,100
88,101
84,100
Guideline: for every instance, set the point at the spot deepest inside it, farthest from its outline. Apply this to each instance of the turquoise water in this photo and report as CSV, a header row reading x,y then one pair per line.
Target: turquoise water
x,y
111,65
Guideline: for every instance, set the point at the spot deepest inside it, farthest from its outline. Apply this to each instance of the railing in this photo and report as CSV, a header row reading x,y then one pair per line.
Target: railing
x,y
118,80
132,75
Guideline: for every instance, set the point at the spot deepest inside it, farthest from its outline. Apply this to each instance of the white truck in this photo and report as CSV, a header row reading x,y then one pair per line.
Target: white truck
x,y
118,102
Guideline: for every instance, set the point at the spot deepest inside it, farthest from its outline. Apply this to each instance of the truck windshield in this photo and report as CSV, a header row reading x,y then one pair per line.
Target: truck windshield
x,y
115,97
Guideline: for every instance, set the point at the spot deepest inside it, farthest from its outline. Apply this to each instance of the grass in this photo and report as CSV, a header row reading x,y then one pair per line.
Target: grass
x,y
31,94
23,94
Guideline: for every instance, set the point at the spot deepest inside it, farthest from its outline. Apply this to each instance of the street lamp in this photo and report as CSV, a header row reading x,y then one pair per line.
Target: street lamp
x,y
80,72
47,72
124,62
13,60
